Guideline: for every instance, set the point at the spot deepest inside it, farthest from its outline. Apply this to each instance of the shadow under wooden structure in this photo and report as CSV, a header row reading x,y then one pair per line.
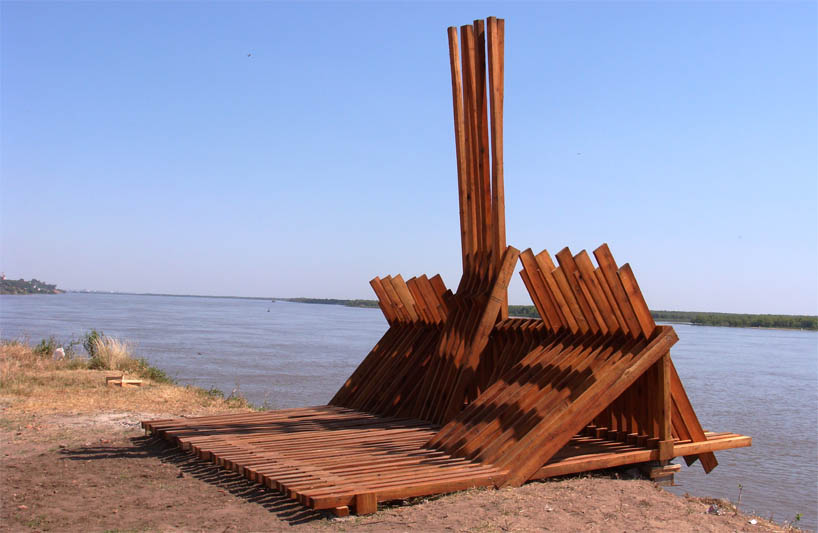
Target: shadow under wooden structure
x,y
456,394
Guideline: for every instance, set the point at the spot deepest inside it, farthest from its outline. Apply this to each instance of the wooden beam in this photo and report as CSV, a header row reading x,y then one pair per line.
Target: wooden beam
x,y
459,141
496,65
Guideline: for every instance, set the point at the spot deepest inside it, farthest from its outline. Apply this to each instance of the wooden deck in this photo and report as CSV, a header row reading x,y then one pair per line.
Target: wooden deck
x,y
329,457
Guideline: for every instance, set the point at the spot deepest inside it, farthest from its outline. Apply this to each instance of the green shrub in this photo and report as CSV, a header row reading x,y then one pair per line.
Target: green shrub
x,y
46,347
147,371
212,393
89,342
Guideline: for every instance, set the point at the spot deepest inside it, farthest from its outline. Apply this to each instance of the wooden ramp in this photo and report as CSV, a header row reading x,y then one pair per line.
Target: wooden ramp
x,y
456,394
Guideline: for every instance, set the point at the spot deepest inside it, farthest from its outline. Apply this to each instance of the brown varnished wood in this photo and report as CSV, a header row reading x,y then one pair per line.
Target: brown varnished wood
x,y
459,142
495,30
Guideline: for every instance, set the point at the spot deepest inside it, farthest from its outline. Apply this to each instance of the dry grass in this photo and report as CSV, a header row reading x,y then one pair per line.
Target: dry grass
x,y
33,384
113,354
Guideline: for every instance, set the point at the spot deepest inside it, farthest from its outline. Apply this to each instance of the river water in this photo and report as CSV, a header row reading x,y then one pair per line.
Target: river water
x,y
762,383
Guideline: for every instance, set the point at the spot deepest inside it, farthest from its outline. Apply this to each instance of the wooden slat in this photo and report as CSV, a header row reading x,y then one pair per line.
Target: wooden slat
x,y
688,418
640,308
607,265
471,140
459,142
496,50
482,148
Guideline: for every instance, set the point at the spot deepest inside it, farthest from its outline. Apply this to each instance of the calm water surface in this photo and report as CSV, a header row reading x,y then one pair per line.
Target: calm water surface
x,y
762,383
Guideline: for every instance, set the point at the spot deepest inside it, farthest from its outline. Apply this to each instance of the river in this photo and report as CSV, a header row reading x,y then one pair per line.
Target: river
x,y
762,383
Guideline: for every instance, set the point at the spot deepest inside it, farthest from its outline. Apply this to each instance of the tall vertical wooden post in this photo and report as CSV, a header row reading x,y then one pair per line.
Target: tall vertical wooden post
x,y
663,410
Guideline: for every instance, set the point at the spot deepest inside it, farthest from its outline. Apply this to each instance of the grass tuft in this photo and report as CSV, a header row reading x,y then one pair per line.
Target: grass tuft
x,y
111,354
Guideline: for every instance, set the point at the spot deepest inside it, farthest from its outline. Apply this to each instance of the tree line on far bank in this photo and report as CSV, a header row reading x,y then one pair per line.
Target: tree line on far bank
x,y
734,320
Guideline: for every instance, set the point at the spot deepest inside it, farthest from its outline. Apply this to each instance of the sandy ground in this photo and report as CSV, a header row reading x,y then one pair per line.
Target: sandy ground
x,y
98,472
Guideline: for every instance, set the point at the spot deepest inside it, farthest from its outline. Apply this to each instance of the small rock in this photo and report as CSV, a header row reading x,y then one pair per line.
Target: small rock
x,y
63,446
753,521
22,507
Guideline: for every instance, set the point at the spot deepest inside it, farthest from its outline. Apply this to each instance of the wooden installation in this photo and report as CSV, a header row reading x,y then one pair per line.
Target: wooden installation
x,y
456,394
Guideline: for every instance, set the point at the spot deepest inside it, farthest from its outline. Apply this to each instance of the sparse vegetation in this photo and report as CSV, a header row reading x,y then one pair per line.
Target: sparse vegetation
x,y
108,353
89,342
46,347
31,381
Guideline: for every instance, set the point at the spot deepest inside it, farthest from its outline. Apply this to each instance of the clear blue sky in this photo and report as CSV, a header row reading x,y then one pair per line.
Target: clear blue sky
x,y
143,150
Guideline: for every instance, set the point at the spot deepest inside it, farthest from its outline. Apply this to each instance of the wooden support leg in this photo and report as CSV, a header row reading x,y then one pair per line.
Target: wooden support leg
x,y
663,408
366,503
660,472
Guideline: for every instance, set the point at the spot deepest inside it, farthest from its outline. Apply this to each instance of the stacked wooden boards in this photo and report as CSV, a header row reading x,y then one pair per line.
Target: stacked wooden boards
x,y
456,394
328,457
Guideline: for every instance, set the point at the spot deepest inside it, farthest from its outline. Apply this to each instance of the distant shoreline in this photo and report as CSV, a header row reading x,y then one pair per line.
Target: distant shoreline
x,y
695,318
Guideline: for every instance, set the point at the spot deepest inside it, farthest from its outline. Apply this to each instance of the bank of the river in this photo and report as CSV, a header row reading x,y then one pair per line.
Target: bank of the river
x,y
698,318
21,286
74,459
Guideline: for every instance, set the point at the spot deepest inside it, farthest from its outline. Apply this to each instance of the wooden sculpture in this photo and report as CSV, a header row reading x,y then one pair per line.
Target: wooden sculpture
x,y
456,394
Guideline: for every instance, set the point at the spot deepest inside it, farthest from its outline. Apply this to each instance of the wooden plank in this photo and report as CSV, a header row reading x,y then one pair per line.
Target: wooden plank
x,y
689,418
459,142
587,308
405,297
471,140
421,307
483,151
545,267
539,291
567,294
663,397
400,310
496,50
587,278
640,308
366,503
607,265
704,448
603,285
383,300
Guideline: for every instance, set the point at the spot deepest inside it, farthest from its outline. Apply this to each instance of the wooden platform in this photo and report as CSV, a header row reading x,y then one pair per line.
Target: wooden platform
x,y
329,457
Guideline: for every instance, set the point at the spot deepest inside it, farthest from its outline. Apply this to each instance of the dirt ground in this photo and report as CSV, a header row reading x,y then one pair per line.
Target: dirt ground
x,y
98,472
